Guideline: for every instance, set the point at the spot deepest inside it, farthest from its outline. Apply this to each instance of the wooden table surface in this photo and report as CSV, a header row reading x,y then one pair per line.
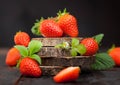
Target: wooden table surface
x,y
12,76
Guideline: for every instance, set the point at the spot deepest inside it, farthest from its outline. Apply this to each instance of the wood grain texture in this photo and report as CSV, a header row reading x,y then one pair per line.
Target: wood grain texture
x,y
51,70
54,41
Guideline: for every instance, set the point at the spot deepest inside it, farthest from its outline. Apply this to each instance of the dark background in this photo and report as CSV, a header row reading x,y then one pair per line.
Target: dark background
x,y
94,17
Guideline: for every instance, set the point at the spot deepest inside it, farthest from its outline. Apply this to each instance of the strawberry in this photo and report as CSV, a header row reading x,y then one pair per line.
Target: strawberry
x,y
68,23
29,62
12,57
67,74
22,38
29,67
115,54
91,46
47,28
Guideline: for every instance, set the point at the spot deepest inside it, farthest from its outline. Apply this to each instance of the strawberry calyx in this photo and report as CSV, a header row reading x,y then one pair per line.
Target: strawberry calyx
x,y
30,51
60,13
35,28
111,48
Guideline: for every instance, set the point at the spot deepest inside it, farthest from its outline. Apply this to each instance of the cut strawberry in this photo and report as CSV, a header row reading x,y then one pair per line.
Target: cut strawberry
x,y
67,74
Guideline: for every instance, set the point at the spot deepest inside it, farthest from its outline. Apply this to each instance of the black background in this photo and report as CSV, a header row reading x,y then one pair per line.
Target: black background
x,y
94,17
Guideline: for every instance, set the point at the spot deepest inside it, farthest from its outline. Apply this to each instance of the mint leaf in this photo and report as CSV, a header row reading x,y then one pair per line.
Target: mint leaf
x,y
81,49
73,52
98,38
36,57
75,42
34,46
102,62
22,49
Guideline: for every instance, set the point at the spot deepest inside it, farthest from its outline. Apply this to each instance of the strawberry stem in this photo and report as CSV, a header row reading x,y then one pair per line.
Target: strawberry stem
x,y
112,47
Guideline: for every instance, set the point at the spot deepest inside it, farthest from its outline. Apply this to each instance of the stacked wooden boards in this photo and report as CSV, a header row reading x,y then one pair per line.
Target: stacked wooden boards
x,y
54,60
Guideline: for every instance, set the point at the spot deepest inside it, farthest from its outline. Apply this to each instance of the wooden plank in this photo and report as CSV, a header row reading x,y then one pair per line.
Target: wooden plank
x,y
54,41
53,52
67,61
51,70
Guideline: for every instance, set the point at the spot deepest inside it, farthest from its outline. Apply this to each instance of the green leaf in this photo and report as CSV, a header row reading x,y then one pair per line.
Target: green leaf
x,y
36,57
75,42
99,38
81,49
34,46
102,62
73,52
22,49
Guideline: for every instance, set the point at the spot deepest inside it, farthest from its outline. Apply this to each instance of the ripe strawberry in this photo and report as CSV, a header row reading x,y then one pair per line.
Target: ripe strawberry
x,y
115,54
22,38
67,74
29,67
49,28
91,46
12,57
68,23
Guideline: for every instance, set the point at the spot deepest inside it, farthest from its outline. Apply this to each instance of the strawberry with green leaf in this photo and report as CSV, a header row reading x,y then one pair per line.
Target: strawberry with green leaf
x,y
92,44
114,53
47,28
29,62
68,23
103,61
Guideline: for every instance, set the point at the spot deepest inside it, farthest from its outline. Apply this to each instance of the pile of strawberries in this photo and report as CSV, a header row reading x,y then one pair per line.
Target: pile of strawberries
x,y
23,53
61,25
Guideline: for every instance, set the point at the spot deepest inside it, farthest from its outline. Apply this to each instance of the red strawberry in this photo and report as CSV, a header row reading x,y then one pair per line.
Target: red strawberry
x,y
67,74
115,54
68,23
22,38
49,28
29,67
12,57
91,46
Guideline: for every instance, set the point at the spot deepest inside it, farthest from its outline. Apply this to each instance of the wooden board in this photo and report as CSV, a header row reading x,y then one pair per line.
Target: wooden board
x,y
53,52
54,41
68,61
51,70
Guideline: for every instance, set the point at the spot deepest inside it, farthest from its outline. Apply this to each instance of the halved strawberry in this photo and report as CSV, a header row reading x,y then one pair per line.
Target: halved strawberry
x,y
67,74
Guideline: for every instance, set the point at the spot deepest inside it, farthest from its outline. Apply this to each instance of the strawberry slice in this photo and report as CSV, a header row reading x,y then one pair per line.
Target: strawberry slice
x,y
67,74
